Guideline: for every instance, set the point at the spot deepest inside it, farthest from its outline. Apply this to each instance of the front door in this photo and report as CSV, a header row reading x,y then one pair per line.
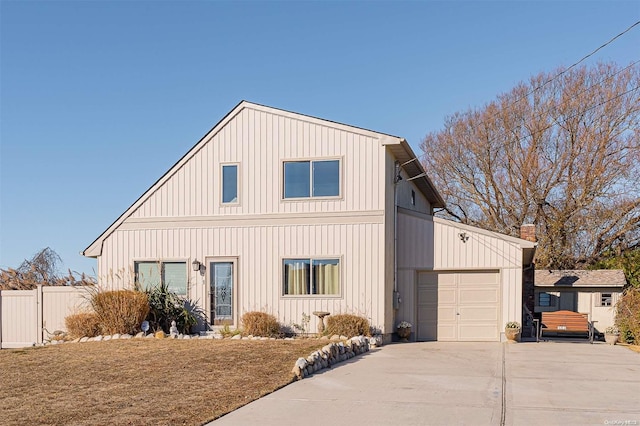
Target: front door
x,y
221,293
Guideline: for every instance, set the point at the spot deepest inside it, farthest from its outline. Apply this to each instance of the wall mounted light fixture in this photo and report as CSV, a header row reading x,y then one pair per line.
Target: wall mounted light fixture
x,y
463,237
195,265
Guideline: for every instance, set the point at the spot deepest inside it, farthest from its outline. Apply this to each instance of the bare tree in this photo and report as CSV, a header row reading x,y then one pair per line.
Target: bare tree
x,y
41,269
561,151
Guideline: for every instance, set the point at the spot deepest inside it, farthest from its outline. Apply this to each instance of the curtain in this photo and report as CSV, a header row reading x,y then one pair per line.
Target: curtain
x,y
326,277
296,277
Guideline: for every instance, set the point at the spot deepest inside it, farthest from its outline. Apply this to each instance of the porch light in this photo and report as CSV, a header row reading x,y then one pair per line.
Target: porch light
x,y
195,265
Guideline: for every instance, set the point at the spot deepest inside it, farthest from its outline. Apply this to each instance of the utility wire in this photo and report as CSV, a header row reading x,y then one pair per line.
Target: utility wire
x,y
560,74
583,59
542,114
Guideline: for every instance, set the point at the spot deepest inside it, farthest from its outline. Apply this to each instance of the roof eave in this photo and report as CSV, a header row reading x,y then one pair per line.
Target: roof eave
x,y
411,164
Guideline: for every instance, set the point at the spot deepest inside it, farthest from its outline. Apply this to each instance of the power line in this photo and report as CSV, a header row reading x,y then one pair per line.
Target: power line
x,y
504,132
584,58
560,74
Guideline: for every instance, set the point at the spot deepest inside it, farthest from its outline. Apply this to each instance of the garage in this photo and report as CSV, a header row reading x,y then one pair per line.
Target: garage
x,y
458,306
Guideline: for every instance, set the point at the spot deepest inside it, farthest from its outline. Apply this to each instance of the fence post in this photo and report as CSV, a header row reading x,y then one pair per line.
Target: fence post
x,y
0,319
39,314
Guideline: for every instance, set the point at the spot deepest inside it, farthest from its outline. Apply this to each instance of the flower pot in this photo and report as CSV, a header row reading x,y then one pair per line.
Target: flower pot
x,y
512,334
404,333
611,339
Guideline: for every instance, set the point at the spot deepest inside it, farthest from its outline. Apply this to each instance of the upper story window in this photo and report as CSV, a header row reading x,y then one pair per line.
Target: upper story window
x,y
317,178
154,273
413,197
229,183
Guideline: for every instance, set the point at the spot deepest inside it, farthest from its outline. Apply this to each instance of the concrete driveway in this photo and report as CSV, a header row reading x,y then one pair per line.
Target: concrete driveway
x,y
548,383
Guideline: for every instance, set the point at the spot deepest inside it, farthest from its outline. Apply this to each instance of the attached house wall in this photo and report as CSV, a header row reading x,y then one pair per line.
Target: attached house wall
x,y
183,218
427,243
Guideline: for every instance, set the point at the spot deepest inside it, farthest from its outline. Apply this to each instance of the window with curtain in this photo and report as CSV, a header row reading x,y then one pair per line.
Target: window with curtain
x,y
173,274
311,277
305,179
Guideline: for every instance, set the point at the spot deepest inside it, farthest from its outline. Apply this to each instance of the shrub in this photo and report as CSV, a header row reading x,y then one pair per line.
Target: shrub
x,y
120,311
628,315
82,324
261,324
347,325
166,306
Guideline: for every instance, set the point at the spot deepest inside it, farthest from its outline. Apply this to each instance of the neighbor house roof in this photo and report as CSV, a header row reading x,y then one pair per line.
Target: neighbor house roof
x,y
398,146
580,278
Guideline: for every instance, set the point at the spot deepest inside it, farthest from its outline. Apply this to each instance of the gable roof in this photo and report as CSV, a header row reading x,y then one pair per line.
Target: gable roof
x,y
580,278
398,146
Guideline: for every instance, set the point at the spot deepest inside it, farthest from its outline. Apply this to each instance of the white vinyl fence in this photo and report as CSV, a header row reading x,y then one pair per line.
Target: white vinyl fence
x,y
28,317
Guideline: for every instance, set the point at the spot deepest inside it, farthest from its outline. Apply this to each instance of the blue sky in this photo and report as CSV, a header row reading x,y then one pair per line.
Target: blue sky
x,y
99,98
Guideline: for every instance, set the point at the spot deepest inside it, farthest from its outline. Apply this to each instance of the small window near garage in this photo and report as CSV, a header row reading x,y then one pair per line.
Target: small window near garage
x,y
606,299
304,277
229,183
413,197
544,299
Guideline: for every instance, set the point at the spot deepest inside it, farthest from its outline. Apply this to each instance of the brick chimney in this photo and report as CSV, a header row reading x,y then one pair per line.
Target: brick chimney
x,y
528,232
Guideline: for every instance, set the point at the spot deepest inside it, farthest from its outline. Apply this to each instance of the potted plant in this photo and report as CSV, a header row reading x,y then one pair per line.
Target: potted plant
x,y
611,335
404,330
512,331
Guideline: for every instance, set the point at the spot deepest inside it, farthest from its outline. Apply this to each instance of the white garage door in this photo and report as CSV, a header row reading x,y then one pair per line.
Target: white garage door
x,y
458,306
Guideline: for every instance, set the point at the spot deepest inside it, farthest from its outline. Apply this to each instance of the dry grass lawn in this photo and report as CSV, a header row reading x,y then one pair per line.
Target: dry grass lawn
x,y
136,382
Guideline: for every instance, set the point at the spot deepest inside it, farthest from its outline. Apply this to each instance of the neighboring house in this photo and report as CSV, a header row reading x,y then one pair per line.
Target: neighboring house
x,y
290,214
589,292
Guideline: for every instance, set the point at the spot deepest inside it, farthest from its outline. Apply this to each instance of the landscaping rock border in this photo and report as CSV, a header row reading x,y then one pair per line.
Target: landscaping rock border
x,y
329,355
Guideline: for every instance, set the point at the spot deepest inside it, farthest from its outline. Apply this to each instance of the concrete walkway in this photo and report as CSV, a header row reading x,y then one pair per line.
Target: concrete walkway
x,y
463,384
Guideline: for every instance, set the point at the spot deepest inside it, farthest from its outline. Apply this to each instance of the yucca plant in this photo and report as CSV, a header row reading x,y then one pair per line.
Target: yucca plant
x,y
166,306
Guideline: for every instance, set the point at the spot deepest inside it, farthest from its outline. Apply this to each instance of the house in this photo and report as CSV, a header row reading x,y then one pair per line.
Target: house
x,y
589,292
289,214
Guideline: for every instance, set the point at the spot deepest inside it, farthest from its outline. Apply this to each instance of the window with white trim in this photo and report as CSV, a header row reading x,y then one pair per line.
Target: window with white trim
x,y
229,183
304,277
149,274
312,178
606,299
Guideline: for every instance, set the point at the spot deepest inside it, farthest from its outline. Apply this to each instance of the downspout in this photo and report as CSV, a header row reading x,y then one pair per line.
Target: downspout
x,y
396,296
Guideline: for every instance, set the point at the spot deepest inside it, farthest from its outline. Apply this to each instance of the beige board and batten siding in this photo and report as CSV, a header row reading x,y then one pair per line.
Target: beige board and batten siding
x,y
428,244
182,217
259,251
259,141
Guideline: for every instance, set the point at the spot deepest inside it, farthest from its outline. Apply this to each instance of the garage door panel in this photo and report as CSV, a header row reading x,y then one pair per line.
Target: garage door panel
x,y
479,296
478,313
466,303
477,332
479,278
447,296
446,332
447,313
